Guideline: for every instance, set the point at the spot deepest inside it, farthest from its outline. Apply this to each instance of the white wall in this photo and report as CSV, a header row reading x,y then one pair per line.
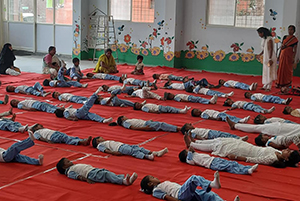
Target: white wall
x,y
44,37
21,35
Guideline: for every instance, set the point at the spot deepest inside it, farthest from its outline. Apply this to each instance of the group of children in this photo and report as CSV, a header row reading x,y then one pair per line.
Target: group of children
x,y
194,138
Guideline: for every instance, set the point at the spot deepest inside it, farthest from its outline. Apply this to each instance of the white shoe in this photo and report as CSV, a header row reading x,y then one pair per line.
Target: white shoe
x,y
244,120
107,120
23,128
271,109
230,94
251,86
253,168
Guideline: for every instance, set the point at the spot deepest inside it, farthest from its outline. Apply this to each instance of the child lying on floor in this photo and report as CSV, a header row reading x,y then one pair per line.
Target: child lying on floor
x,y
153,108
205,91
90,174
260,119
33,105
119,149
238,85
267,98
190,98
168,77
36,89
103,76
291,111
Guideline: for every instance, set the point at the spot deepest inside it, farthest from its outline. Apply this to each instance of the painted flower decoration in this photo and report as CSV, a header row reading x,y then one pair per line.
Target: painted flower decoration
x,y
169,40
251,56
134,45
76,34
169,56
123,48
204,47
211,53
277,39
260,59
144,44
206,53
127,38
201,55
135,51
219,55
250,50
272,30
114,48
177,54
191,44
155,33
189,55
246,58
234,57
155,51
76,51
162,41
151,38
145,52
236,47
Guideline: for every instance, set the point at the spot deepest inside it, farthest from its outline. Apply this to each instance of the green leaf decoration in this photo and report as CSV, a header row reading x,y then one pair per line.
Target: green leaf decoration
x,y
236,44
252,48
279,37
241,44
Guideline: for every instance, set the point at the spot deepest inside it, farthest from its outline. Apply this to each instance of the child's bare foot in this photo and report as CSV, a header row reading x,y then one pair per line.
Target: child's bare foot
x,y
46,93
41,159
6,98
85,85
245,138
230,123
161,152
30,133
216,182
133,178
150,157
13,118
23,128
10,111
155,86
253,168
86,142
107,120
126,180
178,129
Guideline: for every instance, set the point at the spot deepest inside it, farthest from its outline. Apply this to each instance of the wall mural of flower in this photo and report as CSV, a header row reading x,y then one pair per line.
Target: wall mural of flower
x,y
113,47
145,52
219,55
135,50
169,55
143,44
177,54
189,55
236,47
123,48
127,39
234,57
192,45
246,58
155,51
76,51
162,41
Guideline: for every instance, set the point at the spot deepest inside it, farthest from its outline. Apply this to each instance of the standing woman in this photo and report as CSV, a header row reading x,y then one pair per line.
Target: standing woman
x,y
269,58
287,58
7,58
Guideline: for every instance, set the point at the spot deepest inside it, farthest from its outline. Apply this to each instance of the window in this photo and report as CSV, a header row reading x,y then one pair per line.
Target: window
x,y
134,10
44,11
238,13
63,12
4,10
21,11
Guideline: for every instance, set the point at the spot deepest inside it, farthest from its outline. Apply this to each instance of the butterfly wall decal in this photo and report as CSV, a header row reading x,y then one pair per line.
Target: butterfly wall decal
x,y
121,28
273,14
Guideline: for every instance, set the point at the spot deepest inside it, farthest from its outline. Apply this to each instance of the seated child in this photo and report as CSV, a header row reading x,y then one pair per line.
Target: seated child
x,y
83,112
260,119
33,105
278,142
215,163
52,136
67,97
139,66
5,101
216,115
144,93
113,100
75,72
167,77
238,85
153,108
190,98
61,82
204,134
12,154
36,90
139,124
168,190
291,111
247,106
267,98
205,91
179,86
103,76
90,174
119,149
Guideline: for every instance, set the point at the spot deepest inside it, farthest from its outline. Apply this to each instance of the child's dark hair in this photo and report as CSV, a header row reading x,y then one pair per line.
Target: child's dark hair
x,y
53,94
189,89
154,76
60,165
75,60
192,112
97,101
46,82
33,128
120,120
258,141
257,120
7,89
134,106
226,102
294,159
182,156
285,110
94,142
245,94
145,187
167,84
50,48
120,80
139,57
129,92
184,129
113,124
59,113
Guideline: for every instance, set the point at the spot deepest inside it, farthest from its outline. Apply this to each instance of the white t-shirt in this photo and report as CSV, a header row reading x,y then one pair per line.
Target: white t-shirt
x,y
139,66
201,132
149,107
65,96
72,112
81,169
239,104
179,97
203,160
257,96
99,75
1,154
285,140
114,87
178,86
27,103
110,144
139,93
139,123
45,133
231,83
164,76
21,88
129,80
170,188
274,119
203,91
210,113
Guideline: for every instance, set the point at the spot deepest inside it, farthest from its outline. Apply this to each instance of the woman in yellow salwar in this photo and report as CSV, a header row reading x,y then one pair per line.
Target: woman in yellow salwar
x,y
106,63
287,61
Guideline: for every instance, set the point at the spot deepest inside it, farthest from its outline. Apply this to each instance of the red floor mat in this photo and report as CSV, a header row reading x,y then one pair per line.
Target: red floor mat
x,y
33,183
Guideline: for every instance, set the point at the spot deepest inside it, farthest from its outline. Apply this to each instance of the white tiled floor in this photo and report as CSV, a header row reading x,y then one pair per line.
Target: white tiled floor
x,y
34,63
